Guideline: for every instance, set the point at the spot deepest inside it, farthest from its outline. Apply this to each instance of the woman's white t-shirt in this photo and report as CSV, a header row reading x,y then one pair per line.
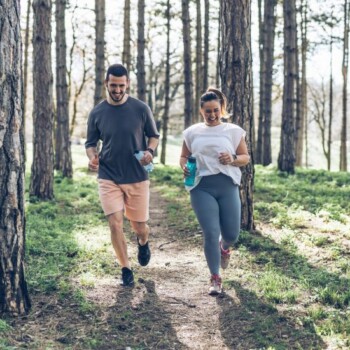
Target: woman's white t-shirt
x,y
206,143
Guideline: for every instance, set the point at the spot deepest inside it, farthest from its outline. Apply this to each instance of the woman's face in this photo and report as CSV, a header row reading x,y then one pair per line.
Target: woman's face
x,y
211,112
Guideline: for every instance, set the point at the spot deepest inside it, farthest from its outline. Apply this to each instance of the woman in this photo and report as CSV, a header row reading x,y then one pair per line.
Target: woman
x,y
220,149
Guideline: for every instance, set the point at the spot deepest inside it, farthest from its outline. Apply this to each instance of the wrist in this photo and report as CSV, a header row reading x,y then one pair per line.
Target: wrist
x,y
150,150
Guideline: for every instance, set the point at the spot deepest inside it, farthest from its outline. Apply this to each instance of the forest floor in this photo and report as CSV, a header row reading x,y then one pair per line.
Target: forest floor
x,y
287,286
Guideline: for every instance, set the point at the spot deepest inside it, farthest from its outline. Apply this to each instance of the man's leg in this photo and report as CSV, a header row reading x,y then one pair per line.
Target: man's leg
x,y
142,232
115,221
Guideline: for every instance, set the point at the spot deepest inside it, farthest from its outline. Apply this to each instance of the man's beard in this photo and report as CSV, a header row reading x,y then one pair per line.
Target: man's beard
x,y
115,99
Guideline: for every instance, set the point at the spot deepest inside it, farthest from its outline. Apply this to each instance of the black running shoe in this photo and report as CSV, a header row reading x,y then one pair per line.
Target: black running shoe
x,y
144,254
127,277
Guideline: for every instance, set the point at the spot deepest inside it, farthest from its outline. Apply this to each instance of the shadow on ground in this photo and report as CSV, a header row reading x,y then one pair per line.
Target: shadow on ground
x,y
246,322
138,320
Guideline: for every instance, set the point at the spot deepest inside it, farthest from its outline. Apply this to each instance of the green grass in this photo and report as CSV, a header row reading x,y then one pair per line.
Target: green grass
x,y
278,271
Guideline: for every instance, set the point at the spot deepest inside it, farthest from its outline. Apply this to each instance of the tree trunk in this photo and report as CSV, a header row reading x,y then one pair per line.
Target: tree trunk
x,y
187,63
259,146
343,134
298,136
236,78
268,55
99,50
141,73
127,36
206,47
25,66
217,78
199,67
63,156
165,119
330,116
303,85
41,184
14,297
286,157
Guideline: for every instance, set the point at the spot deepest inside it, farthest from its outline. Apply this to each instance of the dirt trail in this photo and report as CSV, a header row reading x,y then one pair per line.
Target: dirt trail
x,y
168,308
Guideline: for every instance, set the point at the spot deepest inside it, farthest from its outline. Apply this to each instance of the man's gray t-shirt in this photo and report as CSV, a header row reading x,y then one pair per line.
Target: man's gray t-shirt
x,y
123,130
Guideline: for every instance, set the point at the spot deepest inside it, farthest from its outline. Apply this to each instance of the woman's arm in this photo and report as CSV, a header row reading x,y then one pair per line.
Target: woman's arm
x,y
185,153
241,158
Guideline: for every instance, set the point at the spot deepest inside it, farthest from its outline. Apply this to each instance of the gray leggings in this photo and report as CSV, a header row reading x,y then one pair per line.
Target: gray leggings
x,y
217,205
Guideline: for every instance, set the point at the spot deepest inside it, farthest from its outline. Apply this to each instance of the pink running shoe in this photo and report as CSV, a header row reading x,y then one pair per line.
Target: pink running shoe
x,y
215,285
225,257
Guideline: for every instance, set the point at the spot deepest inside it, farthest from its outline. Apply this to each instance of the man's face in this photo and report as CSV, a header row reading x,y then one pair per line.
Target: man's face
x,y
116,87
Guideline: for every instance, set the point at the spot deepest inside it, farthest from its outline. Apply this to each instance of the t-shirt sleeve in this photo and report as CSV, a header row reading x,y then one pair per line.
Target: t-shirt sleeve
x,y
93,134
150,124
237,135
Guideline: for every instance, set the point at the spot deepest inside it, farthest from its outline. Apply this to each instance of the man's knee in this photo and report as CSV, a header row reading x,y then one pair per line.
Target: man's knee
x,y
116,222
139,227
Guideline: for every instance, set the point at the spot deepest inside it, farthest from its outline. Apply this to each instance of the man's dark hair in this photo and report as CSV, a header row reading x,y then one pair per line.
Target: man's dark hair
x,y
118,70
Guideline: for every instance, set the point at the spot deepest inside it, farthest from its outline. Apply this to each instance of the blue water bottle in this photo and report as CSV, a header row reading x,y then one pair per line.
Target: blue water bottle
x,y
192,167
139,154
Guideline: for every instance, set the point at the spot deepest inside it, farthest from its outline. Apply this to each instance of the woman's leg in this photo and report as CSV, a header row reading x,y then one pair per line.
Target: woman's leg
x,y
230,214
206,209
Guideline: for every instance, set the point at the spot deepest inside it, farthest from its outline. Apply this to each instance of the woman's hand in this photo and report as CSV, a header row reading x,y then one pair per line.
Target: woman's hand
x,y
225,158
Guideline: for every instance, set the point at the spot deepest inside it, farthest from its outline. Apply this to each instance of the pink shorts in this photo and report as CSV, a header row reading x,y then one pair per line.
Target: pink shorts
x,y
132,198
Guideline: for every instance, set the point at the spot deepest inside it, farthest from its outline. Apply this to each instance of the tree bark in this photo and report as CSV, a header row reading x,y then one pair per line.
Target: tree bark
x,y
41,184
127,36
14,298
165,119
63,156
199,67
259,145
187,63
268,56
141,73
25,66
236,78
99,50
303,84
343,133
286,157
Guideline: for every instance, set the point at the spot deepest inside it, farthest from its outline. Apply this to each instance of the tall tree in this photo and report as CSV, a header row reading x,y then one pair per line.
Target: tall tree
x,y
99,50
14,297
206,46
286,157
188,90
25,64
343,134
303,83
199,67
268,62
63,156
127,36
259,144
236,78
41,184
165,119
330,113
140,67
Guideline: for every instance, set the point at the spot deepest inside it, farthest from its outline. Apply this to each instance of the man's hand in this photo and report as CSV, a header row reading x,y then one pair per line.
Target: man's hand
x,y
94,163
147,158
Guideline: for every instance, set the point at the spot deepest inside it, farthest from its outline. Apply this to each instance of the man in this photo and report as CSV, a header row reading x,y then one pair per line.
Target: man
x,y
122,123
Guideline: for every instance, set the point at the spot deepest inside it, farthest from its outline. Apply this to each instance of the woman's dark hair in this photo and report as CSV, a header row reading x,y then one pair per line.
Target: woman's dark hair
x,y
213,94
118,70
